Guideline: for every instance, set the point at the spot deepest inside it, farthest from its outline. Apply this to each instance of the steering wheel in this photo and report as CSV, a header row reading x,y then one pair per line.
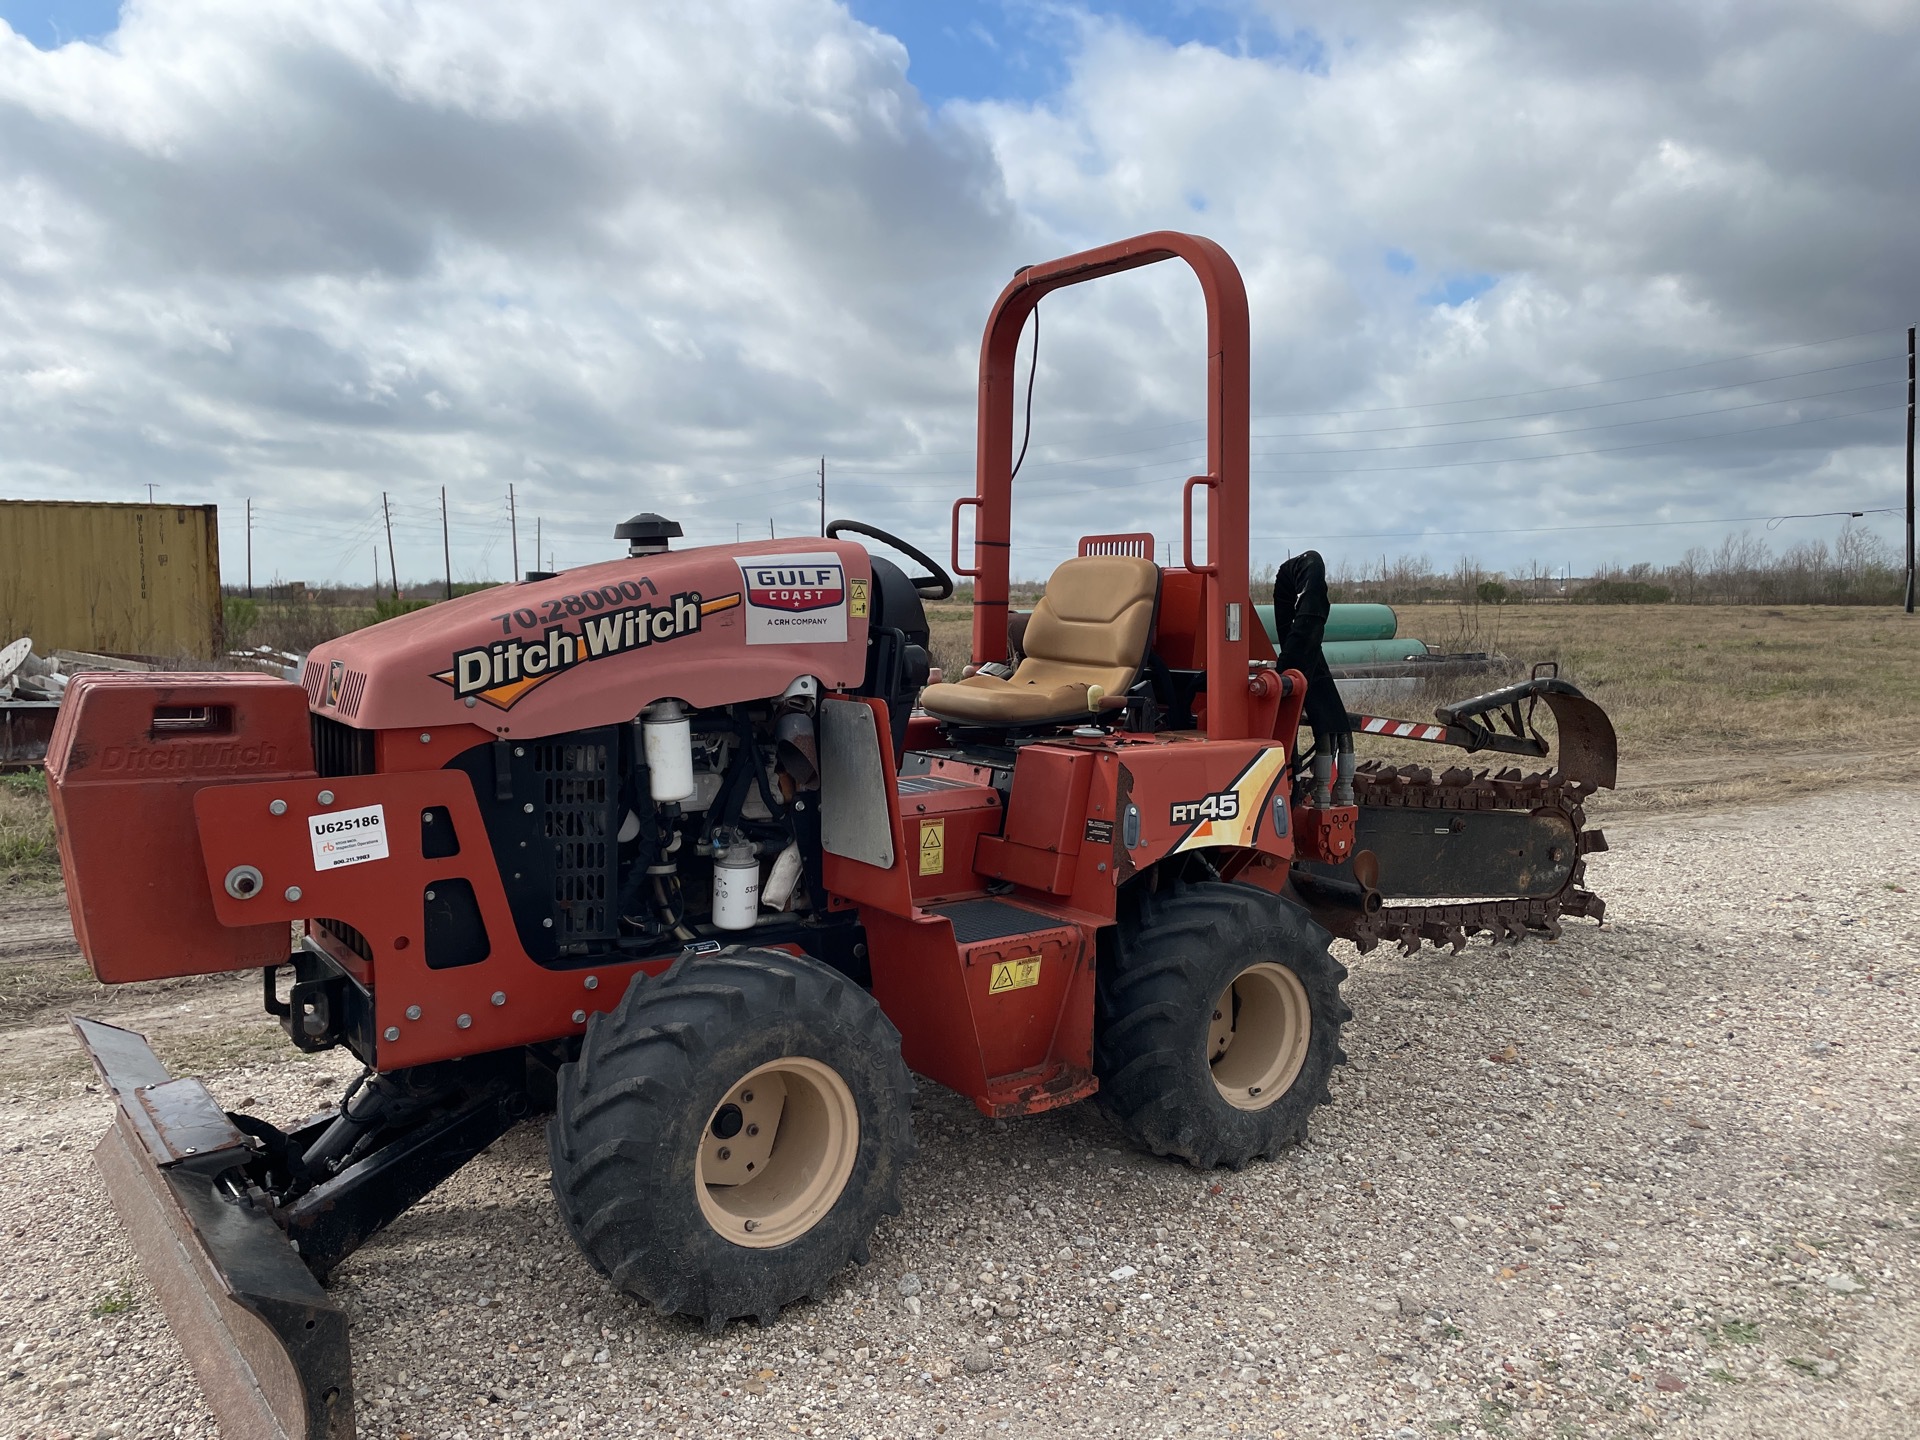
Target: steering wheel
x,y
936,584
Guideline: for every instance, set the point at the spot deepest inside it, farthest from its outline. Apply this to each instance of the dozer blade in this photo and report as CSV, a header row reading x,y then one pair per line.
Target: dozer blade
x,y
267,1345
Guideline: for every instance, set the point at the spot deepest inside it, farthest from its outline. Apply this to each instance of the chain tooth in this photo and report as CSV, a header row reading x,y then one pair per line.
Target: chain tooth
x,y
1460,788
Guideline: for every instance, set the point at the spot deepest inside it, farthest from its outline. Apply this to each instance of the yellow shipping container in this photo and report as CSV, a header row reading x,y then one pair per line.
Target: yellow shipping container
x,y
118,579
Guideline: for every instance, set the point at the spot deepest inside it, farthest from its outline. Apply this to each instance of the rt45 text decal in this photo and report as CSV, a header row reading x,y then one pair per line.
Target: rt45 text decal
x,y
1223,806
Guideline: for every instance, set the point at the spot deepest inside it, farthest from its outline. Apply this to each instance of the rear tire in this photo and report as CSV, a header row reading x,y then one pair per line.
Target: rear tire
x,y
682,1174
1218,1023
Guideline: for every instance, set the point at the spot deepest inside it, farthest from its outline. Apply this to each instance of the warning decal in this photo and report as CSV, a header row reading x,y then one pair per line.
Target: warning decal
x,y
348,837
1014,975
857,596
933,847
795,599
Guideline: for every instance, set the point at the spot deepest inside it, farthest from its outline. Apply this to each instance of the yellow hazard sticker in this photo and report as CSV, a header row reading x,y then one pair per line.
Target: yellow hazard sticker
x,y
1014,975
933,847
857,598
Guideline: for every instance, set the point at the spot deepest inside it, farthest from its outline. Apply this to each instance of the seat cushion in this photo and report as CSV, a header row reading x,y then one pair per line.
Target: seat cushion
x,y
989,700
1096,612
1090,630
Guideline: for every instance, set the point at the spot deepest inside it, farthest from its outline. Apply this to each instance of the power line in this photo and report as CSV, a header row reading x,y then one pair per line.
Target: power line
x,y
1581,429
1590,384
938,477
1596,405
1518,394
1598,450
1770,520
1530,459
1172,466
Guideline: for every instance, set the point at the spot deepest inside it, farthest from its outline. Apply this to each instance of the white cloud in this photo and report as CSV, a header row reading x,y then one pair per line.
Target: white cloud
x,y
662,257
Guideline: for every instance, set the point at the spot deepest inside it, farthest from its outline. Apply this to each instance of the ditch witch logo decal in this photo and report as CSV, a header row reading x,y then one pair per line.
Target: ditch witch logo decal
x,y
503,672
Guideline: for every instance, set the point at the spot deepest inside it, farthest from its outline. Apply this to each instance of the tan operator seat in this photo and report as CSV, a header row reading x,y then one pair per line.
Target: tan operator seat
x,y
1088,632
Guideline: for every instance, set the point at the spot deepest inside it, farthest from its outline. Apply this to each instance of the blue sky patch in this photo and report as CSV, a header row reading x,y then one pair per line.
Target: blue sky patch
x,y
1019,49
1459,289
1401,263
49,24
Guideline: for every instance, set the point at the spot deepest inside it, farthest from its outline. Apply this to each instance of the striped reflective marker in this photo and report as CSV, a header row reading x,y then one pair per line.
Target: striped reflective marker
x,y
1401,729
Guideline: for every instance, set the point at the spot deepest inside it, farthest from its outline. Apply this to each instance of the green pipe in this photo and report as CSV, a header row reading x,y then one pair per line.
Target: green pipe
x,y
1344,622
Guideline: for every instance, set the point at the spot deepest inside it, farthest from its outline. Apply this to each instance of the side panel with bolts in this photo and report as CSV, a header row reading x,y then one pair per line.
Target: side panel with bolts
x,y
125,759
441,1012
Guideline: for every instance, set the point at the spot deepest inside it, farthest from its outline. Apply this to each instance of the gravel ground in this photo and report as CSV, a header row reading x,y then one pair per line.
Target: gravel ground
x,y
1658,1178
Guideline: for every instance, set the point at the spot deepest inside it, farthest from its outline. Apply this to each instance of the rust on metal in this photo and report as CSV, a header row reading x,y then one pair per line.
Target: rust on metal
x,y
1449,798
266,1343
1037,1091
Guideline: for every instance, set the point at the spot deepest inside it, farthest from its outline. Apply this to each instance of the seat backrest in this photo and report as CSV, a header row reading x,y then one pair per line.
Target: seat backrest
x,y
1093,624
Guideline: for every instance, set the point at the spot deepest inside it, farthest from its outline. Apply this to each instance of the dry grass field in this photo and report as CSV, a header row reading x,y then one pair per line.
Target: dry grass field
x,y
1723,704
26,831
1714,704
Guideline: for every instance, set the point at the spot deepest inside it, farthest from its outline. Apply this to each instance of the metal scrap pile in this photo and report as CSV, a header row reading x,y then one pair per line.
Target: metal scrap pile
x,y
27,676
31,688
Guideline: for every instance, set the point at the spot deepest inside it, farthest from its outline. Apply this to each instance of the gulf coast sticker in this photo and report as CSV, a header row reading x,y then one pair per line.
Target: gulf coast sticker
x,y
798,599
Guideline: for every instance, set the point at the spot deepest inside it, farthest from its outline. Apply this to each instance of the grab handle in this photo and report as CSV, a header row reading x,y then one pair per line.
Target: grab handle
x,y
954,554
1186,523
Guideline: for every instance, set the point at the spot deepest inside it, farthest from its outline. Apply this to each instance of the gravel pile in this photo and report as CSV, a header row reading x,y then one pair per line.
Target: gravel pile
x,y
1660,1177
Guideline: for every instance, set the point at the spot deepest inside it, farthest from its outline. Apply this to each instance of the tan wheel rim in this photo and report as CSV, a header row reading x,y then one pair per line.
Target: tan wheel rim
x,y
776,1152
1258,1035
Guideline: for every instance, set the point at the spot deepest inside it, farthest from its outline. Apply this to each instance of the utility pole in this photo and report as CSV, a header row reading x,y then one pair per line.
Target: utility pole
x,y
446,545
376,570
393,567
1910,330
149,492
823,494
769,527
513,524
250,545
736,532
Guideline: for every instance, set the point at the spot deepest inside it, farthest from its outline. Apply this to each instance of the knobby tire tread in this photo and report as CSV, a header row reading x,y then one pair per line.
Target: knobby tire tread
x,y
1174,953
631,1109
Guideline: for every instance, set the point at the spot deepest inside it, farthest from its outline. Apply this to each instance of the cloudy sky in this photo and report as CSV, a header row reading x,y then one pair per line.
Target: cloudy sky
x,y
1566,283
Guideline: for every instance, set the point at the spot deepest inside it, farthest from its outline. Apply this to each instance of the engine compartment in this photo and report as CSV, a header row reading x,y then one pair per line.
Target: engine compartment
x,y
682,826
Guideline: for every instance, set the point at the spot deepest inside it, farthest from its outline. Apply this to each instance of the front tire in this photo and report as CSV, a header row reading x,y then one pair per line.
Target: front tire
x,y
1218,1023
731,1134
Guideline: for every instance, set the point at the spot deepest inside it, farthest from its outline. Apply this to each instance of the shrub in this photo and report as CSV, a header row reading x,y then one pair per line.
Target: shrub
x,y
239,615
27,847
1623,592
386,608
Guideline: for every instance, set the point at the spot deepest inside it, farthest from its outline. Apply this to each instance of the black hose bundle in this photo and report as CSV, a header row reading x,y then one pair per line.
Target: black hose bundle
x,y
1300,609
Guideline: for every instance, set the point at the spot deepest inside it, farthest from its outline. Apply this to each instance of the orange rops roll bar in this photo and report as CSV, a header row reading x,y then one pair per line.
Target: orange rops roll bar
x,y
1228,409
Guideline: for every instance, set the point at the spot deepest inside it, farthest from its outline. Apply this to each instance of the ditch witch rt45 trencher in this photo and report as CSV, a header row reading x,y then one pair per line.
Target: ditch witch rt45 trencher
x,y
683,851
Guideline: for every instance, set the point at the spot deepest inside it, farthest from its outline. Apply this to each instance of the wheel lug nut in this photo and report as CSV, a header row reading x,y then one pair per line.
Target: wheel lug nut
x,y
725,1153
753,1129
